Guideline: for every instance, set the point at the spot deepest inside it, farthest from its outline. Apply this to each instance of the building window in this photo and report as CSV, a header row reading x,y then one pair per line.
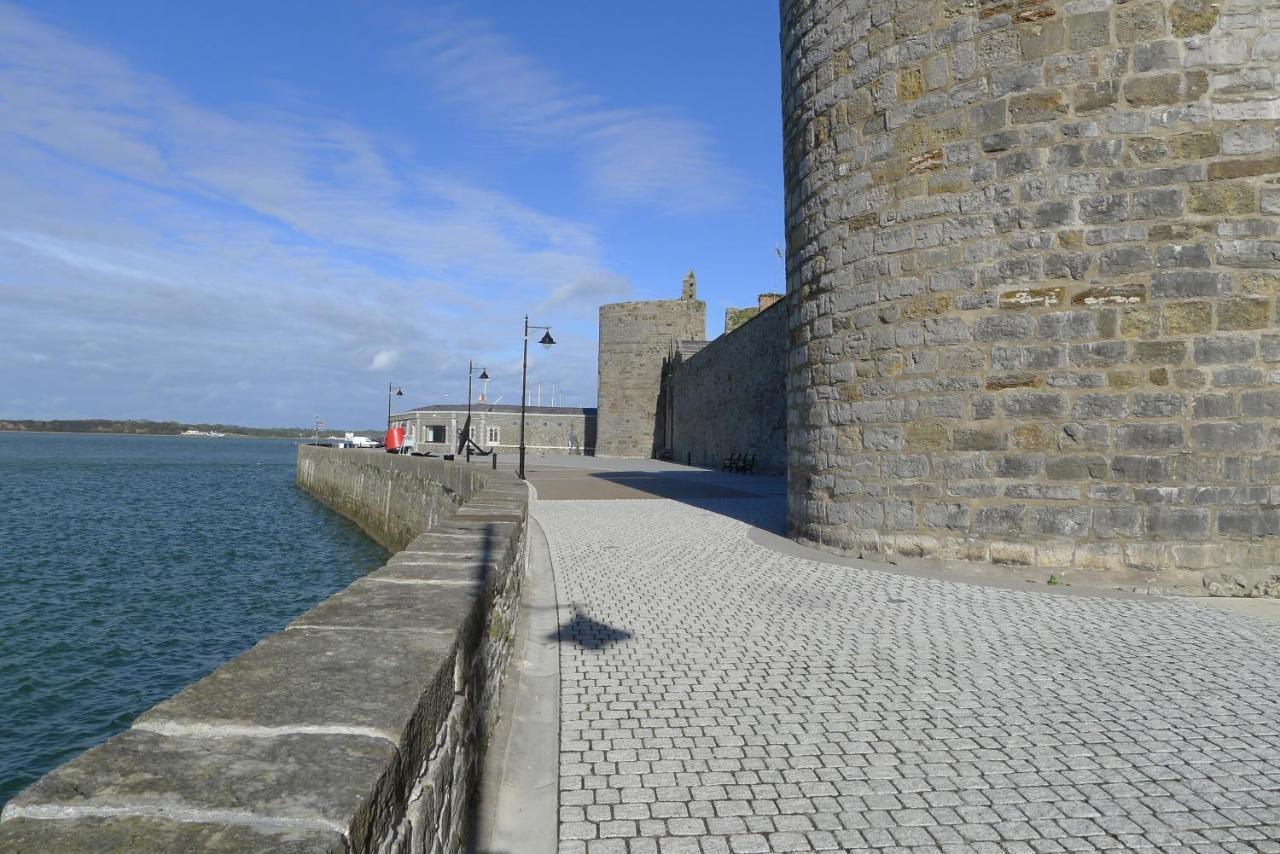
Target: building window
x,y
494,436
436,434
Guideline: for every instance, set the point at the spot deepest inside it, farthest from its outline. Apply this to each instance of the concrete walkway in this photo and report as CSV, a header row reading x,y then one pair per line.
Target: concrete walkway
x,y
723,692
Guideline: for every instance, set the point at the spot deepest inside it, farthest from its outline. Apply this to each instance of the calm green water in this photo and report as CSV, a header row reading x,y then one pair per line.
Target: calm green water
x,y
130,566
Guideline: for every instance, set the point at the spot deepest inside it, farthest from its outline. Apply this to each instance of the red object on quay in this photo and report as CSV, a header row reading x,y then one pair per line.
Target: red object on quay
x,y
394,440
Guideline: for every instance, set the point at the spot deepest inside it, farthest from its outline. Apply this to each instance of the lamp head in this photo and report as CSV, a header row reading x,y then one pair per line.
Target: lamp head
x,y
399,392
484,375
546,340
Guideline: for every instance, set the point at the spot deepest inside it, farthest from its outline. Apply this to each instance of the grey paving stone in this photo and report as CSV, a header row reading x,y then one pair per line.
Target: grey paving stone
x,y
780,703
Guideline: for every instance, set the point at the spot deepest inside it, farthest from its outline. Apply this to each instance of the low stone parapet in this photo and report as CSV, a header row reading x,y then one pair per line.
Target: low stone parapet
x,y
358,728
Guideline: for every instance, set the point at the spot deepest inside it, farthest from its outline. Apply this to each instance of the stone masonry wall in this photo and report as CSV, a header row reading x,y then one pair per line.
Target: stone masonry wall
x,y
390,501
730,396
635,338
1033,263
359,728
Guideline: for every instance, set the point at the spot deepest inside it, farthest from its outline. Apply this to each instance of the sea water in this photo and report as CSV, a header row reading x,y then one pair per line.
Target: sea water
x,y
131,566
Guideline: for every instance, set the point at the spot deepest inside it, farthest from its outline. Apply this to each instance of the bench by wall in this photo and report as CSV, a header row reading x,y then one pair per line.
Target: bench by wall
x,y
359,727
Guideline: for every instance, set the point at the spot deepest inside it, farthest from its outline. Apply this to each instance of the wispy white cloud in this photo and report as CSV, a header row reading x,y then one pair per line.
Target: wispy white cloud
x,y
384,360
628,155
236,262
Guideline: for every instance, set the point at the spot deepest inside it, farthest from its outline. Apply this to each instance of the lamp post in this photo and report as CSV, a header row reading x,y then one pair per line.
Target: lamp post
x,y
546,341
466,427
399,393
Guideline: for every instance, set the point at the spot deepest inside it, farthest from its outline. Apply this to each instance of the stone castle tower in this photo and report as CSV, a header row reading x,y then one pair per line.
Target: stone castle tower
x,y
1033,266
635,339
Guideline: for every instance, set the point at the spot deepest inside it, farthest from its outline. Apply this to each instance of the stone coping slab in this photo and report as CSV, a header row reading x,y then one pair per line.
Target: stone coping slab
x,y
369,604
314,782
143,835
466,573
368,682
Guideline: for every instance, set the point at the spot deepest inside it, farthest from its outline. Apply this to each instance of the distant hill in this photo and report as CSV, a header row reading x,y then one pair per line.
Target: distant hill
x,y
165,428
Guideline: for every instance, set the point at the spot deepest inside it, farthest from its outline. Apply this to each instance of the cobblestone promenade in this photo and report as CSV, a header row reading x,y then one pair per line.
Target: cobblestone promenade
x,y
718,696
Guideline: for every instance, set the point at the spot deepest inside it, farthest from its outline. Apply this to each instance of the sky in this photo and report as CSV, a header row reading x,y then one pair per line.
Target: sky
x,y
259,213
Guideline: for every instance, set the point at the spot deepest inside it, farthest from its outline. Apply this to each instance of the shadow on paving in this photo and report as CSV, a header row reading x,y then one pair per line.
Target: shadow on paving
x,y
759,502
586,633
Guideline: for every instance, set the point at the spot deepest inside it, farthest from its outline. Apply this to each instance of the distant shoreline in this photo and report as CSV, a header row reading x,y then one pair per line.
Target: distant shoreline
x,y
155,435
147,427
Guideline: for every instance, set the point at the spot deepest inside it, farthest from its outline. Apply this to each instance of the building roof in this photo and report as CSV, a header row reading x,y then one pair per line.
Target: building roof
x,y
477,408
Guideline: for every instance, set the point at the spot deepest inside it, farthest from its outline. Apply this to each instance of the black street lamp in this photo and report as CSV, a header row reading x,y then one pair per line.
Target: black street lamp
x,y
546,341
466,427
399,393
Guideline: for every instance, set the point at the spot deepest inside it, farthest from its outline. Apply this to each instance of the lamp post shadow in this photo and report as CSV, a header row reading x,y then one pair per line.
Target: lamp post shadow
x,y
586,633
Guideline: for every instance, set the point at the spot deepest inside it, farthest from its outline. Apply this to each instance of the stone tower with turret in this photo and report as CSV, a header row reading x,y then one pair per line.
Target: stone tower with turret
x,y
635,339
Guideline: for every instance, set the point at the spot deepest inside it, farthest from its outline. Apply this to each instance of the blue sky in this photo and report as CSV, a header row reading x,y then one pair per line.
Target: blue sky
x,y
257,212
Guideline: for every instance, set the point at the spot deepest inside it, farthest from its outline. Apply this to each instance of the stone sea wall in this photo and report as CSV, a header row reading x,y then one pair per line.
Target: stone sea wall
x,y
391,501
1033,266
358,728
730,396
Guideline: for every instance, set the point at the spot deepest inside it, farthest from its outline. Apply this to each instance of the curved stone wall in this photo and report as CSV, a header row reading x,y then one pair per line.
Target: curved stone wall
x,y
1032,275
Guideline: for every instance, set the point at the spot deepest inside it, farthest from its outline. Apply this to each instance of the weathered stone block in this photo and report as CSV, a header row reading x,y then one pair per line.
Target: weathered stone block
x,y
1159,352
1036,107
1104,406
1213,406
1117,521
1076,467
1184,284
1000,520
1067,326
1033,405
1058,521
1249,522
1158,405
1140,22
972,439
1228,436
1091,97
1091,29
1178,523
1238,314
1104,209
1236,197
1140,469
1018,465
1192,17
1224,349
876,438
1099,354
1005,327
941,515
1121,260
1236,377
1150,437
1188,318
